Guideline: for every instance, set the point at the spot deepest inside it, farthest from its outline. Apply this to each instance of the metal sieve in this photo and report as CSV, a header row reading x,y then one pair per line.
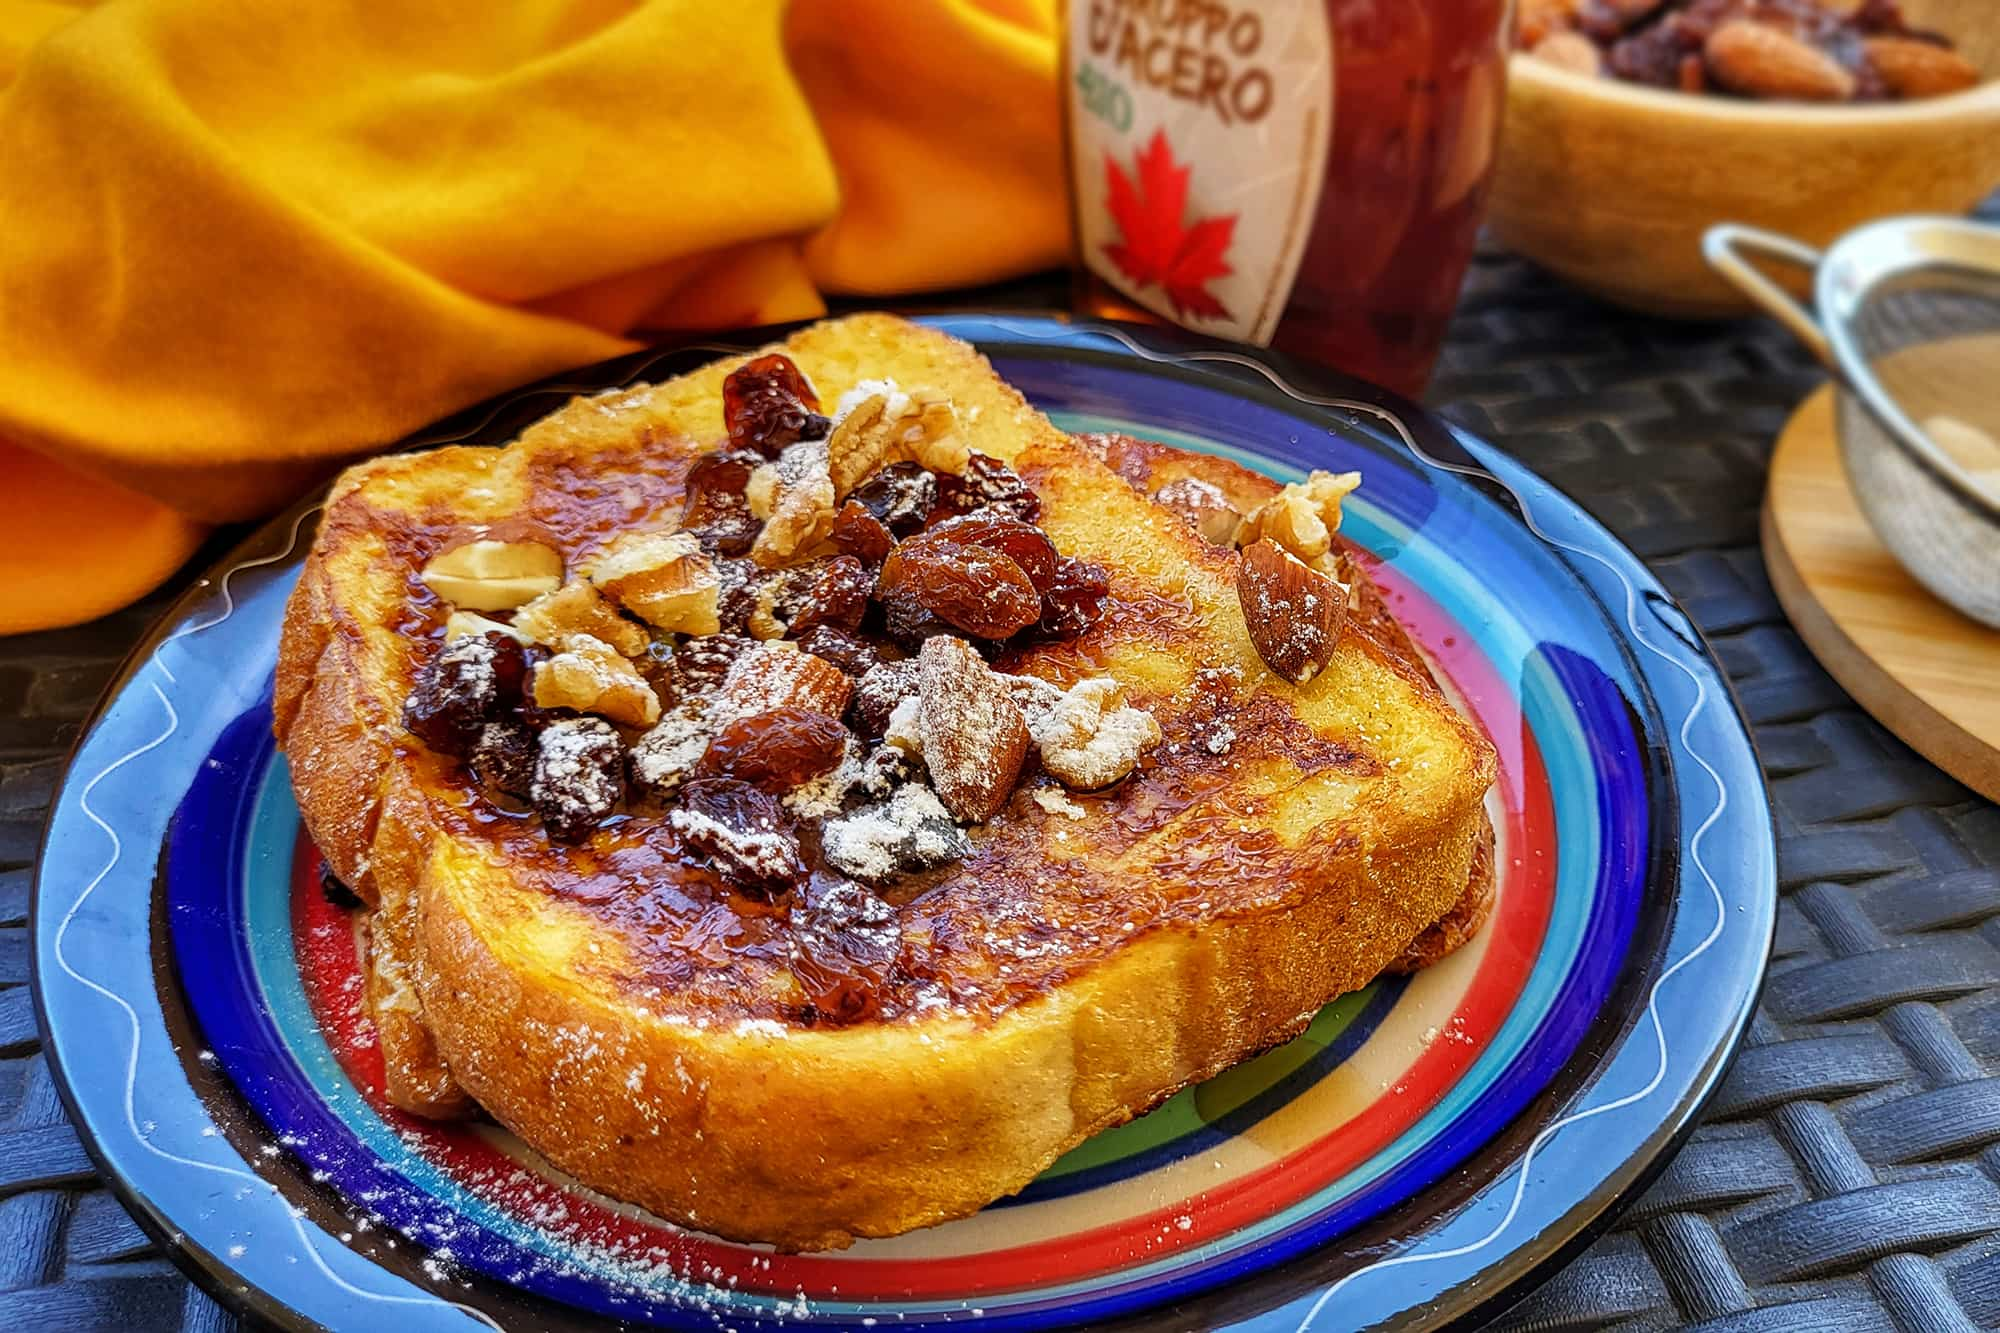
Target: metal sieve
x,y
1907,317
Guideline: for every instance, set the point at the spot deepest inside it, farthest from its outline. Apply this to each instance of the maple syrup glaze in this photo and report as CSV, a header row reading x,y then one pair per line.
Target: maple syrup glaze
x,y
1041,896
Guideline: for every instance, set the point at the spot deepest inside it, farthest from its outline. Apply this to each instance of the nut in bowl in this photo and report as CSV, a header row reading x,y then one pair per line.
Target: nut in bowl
x,y
1809,126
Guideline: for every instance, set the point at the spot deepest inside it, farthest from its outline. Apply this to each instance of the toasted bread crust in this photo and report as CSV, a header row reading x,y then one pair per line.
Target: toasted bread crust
x,y
1148,465
1273,880
810,1138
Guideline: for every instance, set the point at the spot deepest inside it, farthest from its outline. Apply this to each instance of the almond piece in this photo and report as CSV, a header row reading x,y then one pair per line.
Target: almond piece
x,y
463,624
664,578
590,676
1914,68
1571,51
777,674
1294,613
974,737
1758,60
1539,18
488,575
1205,508
578,608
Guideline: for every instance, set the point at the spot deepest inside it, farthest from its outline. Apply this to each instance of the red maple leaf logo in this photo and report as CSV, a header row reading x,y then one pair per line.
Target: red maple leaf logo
x,y
1155,247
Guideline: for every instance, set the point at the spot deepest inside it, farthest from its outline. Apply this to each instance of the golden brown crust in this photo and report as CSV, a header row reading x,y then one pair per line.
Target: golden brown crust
x,y
809,1138
1260,878
1147,466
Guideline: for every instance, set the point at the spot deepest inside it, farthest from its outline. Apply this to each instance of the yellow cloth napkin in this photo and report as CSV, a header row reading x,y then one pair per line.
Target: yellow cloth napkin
x,y
240,241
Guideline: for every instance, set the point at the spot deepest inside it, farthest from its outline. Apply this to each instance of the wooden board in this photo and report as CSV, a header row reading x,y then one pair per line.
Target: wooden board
x,y
1926,672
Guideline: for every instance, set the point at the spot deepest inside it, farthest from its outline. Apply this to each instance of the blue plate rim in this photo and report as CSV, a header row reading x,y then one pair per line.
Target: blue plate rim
x,y
223,1278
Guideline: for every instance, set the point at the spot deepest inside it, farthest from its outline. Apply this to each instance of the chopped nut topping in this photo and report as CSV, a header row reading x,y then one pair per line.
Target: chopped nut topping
x,y
664,578
1303,517
489,575
974,738
777,675
759,676
665,757
590,676
910,832
578,608
1090,738
1204,506
461,624
878,431
802,505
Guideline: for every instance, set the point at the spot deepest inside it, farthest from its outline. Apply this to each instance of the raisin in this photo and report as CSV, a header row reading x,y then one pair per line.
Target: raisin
x,y
474,678
844,944
699,665
876,695
845,649
579,776
973,588
1023,543
989,482
858,533
887,768
900,496
767,404
740,582
335,891
907,622
777,750
717,512
503,758
907,834
743,832
1075,600
833,591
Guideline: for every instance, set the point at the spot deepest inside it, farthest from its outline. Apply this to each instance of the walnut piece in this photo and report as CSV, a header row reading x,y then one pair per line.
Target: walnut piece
x,y
802,506
664,578
590,676
578,608
488,575
1303,517
880,430
1091,738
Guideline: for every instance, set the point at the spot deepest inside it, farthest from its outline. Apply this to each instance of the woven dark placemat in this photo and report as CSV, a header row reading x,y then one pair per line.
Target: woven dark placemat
x,y
1846,1178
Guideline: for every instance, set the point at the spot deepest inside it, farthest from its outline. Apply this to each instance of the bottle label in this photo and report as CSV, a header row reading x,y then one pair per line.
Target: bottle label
x,y
1199,132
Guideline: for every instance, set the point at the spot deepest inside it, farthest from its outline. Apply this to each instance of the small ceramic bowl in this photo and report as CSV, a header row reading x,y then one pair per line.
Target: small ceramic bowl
x,y
1611,185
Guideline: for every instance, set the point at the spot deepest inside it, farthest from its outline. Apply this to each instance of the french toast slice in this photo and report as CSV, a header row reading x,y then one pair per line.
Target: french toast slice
x,y
641,1026
1153,469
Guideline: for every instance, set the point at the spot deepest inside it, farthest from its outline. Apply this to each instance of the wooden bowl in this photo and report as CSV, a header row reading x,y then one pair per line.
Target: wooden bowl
x,y
1611,185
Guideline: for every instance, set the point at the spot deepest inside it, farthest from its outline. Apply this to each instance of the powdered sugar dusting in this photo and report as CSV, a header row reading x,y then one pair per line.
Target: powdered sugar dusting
x,y
910,831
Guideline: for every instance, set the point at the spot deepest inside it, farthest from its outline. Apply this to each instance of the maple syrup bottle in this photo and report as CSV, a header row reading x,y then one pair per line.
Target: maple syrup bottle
x,y
1304,174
